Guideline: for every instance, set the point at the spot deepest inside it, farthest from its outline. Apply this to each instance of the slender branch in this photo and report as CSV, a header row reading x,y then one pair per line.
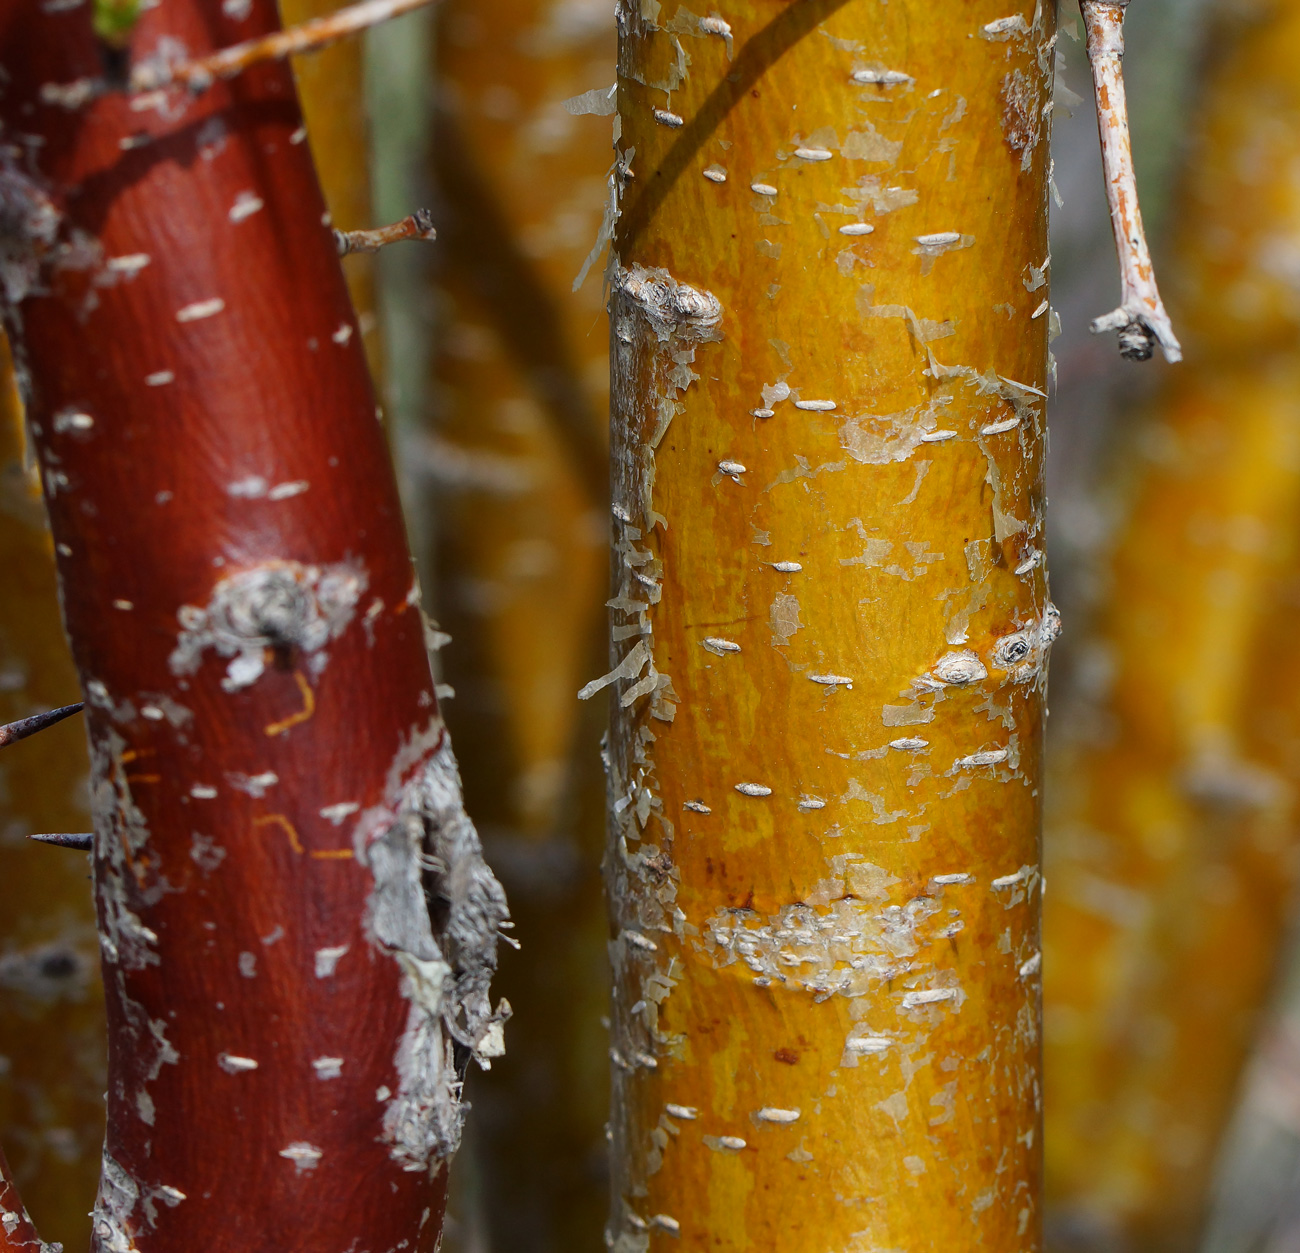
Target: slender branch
x,y
1140,318
200,73
17,1235
11,732
82,841
419,225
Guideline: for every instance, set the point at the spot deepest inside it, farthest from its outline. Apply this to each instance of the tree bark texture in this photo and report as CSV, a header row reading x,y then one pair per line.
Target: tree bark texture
x,y
831,625
51,1010
272,786
1172,835
17,1233
519,460
53,1039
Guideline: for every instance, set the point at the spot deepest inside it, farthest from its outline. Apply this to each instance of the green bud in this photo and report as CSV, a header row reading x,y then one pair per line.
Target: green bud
x,y
114,20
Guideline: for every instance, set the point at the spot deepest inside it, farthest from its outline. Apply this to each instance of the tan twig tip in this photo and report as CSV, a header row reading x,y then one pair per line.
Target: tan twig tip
x,y
1140,319
419,225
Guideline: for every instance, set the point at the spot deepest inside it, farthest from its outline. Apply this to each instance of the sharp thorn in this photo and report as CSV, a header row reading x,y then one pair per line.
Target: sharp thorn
x,y
83,842
20,730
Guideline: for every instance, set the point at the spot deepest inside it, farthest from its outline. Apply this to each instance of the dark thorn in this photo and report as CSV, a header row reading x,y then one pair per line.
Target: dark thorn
x,y
82,842
20,730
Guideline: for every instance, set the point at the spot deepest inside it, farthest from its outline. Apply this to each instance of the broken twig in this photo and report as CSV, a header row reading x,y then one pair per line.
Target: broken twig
x,y
419,225
200,73
12,732
1141,319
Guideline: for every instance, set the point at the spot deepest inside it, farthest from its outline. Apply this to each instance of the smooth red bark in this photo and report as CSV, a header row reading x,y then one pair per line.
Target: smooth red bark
x,y
17,1235
184,443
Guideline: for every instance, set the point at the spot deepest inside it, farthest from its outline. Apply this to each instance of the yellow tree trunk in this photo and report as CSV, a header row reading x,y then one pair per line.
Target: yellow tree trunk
x,y
520,395
1172,834
52,1047
831,625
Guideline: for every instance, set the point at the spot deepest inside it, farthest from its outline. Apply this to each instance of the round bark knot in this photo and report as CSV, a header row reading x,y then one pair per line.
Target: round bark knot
x,y
273,605
277,605
1013,649
669,306
1023,653
960,668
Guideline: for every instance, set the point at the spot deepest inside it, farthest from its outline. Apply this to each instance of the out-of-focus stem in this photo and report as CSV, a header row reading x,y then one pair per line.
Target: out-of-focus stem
x,y
331,89
519,464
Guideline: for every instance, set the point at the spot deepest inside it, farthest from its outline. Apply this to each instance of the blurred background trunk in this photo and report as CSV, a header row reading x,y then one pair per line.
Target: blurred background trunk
x,y
513,462
52,1038
1170,841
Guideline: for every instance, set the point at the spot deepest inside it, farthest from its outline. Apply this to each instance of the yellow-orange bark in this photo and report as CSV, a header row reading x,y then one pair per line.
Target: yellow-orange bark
x,y
518,450
331,86
52,1049
1172,832
832,623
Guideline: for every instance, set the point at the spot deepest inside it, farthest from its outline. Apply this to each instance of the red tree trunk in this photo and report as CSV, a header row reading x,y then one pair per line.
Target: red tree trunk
x,y
275,800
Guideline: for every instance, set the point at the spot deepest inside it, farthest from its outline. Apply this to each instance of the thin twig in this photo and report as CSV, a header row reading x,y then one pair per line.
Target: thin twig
x,y
419,225
200,73
12,732
82,841
1141,318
